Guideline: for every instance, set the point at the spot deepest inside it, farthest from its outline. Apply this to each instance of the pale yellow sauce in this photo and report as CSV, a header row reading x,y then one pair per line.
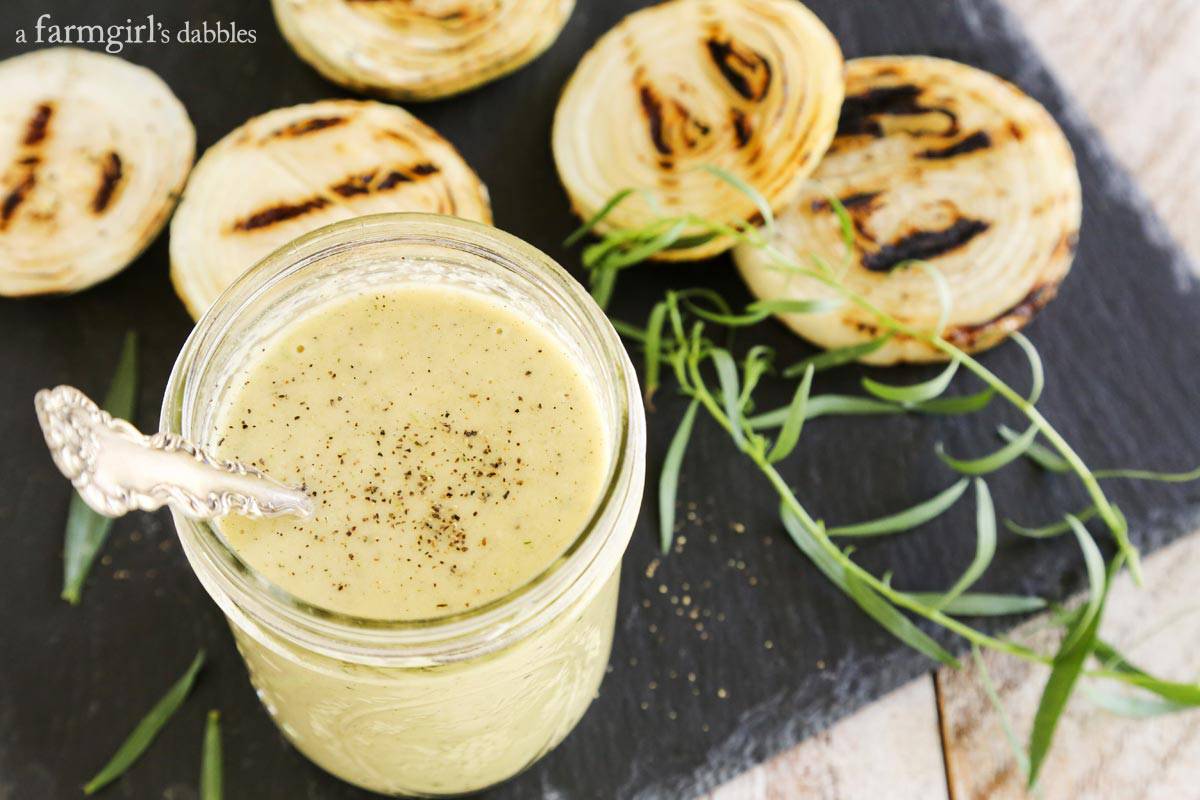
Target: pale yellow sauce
x,y
453,449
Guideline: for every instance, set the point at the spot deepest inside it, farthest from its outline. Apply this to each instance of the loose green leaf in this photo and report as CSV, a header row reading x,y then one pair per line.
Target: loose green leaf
x,y
992,461
1041,455
1134,706
668,480
980,604
648,248
86,531
141,737
917,392
653,348
867,599
1097,585
1067,666
789,434
211,779
795,306
728,377
837,357
989,688
597,218
757,363
1117,667
1037,371
1054,529
909,518
960,404
760,202
758,311
845,225
603,281
629,331
985,545
941,286
1147,475
826,405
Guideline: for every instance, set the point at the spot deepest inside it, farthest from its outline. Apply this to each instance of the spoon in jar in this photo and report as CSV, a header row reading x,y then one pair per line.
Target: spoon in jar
x,y
117,469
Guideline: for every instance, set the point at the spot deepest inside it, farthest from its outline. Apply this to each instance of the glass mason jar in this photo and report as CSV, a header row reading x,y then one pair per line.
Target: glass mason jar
x,y
436,706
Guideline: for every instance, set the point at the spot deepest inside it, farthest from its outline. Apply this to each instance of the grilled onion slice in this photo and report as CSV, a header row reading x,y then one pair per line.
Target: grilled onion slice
x,y
292,170
749,86
93,153
939,162
419,49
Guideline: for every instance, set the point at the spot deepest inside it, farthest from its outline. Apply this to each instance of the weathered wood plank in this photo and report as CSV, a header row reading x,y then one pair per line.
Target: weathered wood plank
x,y
896,736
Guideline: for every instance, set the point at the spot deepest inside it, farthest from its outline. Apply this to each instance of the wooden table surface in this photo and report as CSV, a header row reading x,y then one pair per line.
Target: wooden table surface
x,y
1134,69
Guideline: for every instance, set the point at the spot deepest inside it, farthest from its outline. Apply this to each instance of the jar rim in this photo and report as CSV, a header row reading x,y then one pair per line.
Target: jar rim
x,y
247,595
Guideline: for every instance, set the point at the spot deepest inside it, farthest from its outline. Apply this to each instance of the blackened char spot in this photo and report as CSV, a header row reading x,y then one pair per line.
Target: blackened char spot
x,y
849,202
406,175
354,185
859,110
111,172
747,71
15,197
652,108
306,126
280,213
670,123
39,125
1021,313
924,245
741,127
976,141
393,179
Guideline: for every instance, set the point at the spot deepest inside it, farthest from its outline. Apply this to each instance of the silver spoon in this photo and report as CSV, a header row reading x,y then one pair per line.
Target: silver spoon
x,y
117,469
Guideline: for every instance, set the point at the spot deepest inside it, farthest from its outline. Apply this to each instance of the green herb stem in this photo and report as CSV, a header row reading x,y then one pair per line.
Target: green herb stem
x,y
86,531
143,734
211,768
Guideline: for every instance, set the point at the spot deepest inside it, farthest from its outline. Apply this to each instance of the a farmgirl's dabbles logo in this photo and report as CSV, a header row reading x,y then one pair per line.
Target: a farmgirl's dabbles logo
x,y
148,30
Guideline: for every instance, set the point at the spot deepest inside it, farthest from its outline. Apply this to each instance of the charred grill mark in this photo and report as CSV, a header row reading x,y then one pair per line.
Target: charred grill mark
x,y
406,175
15,197
746,70
849,202
351,186
280,213
111,172
742,128
1012,319
355,184
393,179
652,108
307,126
671,125
924,245
39,125
859,110
976,141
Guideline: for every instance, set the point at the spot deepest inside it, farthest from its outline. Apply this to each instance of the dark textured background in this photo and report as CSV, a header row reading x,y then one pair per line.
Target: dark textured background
x,y
1119,343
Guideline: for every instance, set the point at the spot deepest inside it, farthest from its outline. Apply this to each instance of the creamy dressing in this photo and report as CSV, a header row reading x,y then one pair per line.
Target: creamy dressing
x,y
453,449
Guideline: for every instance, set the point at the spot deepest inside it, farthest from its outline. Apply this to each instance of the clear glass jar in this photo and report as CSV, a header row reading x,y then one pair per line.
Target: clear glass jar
x,y
421,707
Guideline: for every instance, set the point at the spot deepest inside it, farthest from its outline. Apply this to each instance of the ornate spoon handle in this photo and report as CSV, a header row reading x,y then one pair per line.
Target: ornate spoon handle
x,y
117,469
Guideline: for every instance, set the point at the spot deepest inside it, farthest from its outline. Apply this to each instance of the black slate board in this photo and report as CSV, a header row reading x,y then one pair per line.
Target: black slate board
x,y
1119,343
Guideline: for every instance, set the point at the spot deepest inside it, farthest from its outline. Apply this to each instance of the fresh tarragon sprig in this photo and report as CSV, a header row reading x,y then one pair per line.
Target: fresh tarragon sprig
x,y
674,337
